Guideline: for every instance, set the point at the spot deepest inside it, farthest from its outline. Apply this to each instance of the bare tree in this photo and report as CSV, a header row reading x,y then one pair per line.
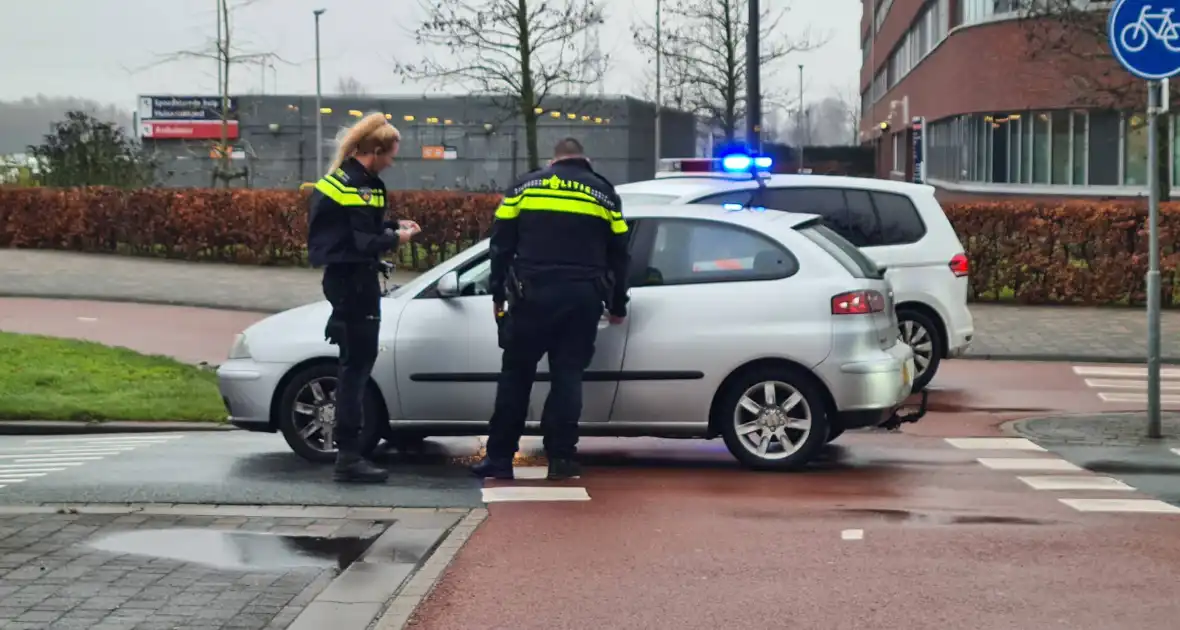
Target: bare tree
x,y
222,51
521,51
1069,37
703,45
349,86
849,102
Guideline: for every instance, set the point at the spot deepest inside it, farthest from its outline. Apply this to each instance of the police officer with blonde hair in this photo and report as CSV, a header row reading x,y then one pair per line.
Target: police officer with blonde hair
x,y
347,235
559,255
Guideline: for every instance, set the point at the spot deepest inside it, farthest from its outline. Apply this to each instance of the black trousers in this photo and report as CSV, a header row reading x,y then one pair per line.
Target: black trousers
x,y
355,294
561,320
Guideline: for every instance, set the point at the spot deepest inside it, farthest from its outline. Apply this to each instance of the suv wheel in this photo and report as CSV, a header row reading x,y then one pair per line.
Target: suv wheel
x,y
307,415
920,333
773,418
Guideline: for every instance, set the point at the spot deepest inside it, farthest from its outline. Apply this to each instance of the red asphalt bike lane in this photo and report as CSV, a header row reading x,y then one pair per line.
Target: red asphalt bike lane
x,y
892,531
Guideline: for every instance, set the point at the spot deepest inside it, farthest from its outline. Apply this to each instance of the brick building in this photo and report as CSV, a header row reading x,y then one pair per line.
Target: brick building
x,y
1013,102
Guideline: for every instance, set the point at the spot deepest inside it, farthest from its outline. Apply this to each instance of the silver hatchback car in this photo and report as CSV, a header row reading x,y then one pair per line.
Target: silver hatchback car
x,y
762,327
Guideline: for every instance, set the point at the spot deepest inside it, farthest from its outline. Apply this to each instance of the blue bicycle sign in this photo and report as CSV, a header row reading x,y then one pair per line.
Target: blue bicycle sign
x,y
1145,38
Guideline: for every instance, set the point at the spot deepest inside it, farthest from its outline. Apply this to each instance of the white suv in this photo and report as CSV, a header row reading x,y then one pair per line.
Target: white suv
x,y
899,225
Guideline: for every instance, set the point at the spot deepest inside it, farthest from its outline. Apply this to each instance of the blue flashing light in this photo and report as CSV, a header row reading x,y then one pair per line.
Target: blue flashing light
x,y
739,163
736,163
732,207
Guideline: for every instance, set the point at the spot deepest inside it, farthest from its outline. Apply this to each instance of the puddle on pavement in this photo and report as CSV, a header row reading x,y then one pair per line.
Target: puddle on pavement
x,y
236,550
941,518
1132,468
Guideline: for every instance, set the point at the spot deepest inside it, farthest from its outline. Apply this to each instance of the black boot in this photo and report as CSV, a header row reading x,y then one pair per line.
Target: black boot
x,y
494,468
561,469
352,468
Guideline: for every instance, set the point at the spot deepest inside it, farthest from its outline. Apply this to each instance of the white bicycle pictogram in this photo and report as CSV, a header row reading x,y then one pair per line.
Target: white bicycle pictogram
x,y
1158,26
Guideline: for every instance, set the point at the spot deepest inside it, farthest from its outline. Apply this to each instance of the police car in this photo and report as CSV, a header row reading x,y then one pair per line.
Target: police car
x,y
899,225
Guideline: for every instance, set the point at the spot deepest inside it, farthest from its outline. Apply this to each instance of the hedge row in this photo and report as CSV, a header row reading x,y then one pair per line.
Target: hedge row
x,y
263,227
1031,252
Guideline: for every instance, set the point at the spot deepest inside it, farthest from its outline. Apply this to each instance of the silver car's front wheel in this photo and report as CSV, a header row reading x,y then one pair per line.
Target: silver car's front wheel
x,y
772,418
306,414
314,414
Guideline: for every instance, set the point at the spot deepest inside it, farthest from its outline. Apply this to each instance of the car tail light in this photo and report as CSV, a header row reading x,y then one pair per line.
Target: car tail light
x,y
858,303
960,266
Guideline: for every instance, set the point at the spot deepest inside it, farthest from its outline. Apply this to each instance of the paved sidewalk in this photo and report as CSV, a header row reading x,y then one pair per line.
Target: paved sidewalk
x,y
1001,331
119,567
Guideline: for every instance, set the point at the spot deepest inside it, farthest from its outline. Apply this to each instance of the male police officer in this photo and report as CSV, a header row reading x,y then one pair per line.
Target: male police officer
x,y
558,253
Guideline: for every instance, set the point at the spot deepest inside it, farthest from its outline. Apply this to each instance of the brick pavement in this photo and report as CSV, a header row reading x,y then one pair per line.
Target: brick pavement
x,y
1002,331
50,579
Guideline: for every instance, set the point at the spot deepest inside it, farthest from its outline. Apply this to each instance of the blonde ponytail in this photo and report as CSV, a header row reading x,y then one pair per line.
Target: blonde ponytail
x,y
371,134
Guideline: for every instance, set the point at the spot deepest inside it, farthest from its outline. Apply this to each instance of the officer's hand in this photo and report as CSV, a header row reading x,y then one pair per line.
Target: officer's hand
x,y
410,226
498,309
615,319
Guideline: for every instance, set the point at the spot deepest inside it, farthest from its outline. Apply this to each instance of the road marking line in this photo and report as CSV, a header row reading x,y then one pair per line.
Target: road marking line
x,y
531,472
1121,505
1110,383
1074,482
1134,398
1176,451
88,319
534,493
1021,463
43,460
13,479
48,456
67,449
852,534
35,467
1098,370
993,443
113,438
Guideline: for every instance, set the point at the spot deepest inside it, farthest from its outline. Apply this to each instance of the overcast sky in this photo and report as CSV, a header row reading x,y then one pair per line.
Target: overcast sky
x,y
104,50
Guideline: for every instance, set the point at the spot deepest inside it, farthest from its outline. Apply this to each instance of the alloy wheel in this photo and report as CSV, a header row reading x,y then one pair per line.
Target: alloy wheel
x,y
314,414
772,420
919,340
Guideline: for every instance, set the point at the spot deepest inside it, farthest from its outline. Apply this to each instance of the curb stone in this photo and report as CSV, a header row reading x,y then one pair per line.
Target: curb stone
x,y
402,607
64,427
85,297
1097,429
1062,358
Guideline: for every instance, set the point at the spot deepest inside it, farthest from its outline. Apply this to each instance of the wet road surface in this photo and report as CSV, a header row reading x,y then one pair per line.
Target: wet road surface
x,y
893,531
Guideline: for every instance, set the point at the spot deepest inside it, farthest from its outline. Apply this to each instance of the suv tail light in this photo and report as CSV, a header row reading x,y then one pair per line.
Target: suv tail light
x,y
858,303
959,265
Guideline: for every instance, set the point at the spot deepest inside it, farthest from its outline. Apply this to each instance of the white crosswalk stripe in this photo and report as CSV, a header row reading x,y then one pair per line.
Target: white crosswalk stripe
x,y
39,457
1124,384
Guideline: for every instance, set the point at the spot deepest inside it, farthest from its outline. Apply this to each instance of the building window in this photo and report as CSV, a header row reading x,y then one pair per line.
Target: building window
x,y
898,158
1026,145
1135,155
1080,143
1015,139
1060,154
942,19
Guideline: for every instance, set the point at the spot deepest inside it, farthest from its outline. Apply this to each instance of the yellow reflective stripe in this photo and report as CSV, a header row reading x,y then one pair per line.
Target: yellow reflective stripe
x,y
507,211
348,198
338,184
557,192
618,226
571,206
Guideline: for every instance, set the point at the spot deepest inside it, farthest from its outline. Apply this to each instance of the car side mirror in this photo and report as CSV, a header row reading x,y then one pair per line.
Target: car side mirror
x,y
448,285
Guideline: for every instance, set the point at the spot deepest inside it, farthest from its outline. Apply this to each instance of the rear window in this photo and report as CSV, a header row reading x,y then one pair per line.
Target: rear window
x,y
849,256
898,221
645,199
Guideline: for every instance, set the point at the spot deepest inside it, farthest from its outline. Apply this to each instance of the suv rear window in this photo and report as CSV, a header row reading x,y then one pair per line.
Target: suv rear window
x,y
852,258
863,217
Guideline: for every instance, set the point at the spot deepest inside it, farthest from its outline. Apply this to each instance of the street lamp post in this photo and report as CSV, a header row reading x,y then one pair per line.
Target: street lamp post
x,y
659,101
753,78
319,120
802,122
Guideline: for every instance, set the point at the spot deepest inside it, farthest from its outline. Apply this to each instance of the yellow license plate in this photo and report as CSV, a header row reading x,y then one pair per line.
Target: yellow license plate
x,y
905,372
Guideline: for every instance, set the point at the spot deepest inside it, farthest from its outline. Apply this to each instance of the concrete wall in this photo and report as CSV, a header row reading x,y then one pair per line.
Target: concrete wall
x,y
278,140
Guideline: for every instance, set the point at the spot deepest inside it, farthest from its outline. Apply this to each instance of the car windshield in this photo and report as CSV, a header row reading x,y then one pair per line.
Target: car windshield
x,y
854,260
645,199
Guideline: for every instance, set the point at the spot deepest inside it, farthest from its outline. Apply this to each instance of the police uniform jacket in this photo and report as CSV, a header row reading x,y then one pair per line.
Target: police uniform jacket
x,y
347,222
563,222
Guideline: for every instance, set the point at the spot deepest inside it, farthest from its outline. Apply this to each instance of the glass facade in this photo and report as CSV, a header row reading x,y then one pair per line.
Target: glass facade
x,y
1051,148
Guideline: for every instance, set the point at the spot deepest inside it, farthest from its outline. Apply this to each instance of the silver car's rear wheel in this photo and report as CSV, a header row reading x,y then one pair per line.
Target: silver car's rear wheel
x,y
772,420
772,417
307,414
